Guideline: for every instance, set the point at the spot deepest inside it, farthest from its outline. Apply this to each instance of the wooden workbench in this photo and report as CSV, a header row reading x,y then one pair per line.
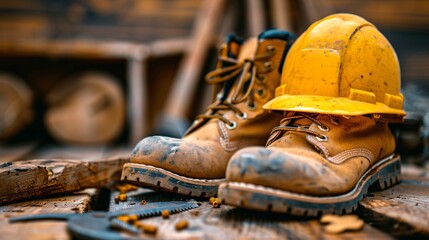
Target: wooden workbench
x,y
398,212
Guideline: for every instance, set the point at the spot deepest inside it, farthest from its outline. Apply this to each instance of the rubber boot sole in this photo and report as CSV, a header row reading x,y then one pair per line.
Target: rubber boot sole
x,y
161,179
383,174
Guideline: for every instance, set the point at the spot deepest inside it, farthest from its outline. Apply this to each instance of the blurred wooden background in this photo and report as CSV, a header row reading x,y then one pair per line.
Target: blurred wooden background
x,y
144,44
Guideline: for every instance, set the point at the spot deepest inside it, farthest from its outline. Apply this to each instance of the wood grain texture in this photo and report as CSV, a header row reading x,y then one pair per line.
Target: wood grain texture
x,y
228,222
42,177
73,203
407,202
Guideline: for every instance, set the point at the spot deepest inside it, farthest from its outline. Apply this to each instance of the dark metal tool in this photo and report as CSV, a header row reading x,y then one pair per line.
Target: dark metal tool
x,y
101,225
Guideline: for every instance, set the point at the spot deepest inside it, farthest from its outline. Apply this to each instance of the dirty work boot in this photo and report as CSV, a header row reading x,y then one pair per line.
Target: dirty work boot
x,y
339,89
247,74
313,164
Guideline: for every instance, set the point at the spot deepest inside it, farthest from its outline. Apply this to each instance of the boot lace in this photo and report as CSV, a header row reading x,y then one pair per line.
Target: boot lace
x,y
288,123
243,70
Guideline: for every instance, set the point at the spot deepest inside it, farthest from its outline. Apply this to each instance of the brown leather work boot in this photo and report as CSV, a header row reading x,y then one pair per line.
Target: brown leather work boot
x,y
195,165
313,164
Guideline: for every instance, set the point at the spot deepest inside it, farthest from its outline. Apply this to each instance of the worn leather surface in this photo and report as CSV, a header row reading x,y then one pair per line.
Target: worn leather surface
x,y
205,151
299,162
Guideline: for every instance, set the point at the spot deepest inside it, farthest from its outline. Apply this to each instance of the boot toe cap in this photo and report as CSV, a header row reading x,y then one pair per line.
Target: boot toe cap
x,y
280,170
188,158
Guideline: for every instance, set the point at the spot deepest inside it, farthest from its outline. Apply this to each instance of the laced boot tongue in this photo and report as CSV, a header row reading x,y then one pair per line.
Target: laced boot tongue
x,y
292,120
249,55
235,87
248,50
228,55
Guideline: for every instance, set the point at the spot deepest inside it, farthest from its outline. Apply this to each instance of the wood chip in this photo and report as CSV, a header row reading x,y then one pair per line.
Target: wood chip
x,y
165,214
147,228
128,218
180,225
339,224
215,202
126,188
122,197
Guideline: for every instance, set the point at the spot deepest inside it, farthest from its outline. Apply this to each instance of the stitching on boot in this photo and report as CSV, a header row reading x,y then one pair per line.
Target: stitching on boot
x,y
343,156
224,139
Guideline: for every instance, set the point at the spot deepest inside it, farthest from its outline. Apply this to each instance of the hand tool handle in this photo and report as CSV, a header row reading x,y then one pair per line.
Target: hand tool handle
x,y
49,216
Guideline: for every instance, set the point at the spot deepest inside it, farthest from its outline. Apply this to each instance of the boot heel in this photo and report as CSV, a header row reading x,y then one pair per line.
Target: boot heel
x,y
388,182
388,177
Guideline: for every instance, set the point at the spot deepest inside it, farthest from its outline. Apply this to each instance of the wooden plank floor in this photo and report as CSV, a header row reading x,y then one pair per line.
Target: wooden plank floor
x,y
398,212
71,203
226,222
407,202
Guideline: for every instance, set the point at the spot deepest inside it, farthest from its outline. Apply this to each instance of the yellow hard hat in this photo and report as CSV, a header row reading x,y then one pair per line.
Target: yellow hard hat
x,y
341,65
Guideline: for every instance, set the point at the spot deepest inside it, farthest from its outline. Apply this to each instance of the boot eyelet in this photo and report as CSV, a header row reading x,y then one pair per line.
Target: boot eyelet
x,y
251,106
232,125
323,128
322,139
241,116
261,79
268,65
271,49
261,92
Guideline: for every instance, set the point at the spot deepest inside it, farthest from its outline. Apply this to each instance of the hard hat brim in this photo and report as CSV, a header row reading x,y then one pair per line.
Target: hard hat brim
x,y
329,105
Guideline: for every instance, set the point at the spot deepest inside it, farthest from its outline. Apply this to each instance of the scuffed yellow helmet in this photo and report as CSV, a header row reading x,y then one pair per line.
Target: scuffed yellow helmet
x,y
341,65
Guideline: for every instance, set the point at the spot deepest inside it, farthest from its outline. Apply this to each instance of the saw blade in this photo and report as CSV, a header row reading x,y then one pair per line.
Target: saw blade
x,y
155,209
94,227
148,210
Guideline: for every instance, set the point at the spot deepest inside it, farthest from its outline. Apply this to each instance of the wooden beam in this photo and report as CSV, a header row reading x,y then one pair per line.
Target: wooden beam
x,y
255,17
43,177
186,82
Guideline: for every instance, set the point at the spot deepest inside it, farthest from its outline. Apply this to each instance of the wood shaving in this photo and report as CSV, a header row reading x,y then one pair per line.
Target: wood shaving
x,y
180,225
122,197
338,224
147,228
165,214
215,202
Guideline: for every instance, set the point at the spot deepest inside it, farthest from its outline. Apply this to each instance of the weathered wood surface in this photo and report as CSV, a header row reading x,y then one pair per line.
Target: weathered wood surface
x,y
72,203
226,222
42,177
206,222
407,202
